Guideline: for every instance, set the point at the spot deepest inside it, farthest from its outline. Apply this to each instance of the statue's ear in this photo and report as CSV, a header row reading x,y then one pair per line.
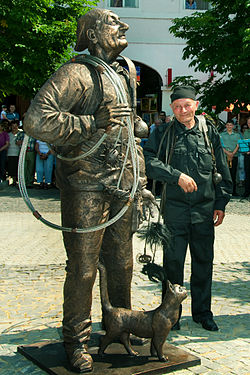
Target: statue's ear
x,y
169,287
91,36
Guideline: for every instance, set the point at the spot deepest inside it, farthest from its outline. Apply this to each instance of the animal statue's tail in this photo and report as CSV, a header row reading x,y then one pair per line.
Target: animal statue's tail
x,y
106,305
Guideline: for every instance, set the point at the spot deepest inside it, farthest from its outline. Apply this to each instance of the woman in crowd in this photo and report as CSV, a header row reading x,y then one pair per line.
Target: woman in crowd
x,y
241,168
44,164
13,153
4,144
246,135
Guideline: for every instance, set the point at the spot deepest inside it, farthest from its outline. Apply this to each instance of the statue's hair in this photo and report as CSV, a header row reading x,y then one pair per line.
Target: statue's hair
x,y
86,22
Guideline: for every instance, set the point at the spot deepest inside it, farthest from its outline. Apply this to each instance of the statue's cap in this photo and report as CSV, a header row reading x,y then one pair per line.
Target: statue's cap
x,y
84,23
183,92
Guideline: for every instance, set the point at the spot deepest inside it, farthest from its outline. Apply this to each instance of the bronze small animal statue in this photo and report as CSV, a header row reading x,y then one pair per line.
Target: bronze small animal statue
x,y
155,324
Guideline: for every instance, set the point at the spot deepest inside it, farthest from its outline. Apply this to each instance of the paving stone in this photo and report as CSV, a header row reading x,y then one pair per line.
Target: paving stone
x,y
199,369
213,365
213,373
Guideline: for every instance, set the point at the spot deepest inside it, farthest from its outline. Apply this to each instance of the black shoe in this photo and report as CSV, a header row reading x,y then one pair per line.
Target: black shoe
x,y
208,324
245,195
176,326
235,195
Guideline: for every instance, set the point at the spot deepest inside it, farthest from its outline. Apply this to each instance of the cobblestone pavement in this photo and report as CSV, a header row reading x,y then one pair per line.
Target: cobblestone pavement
x,y
32,262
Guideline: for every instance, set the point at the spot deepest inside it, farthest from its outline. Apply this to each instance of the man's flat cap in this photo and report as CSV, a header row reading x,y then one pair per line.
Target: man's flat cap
x,y
183,92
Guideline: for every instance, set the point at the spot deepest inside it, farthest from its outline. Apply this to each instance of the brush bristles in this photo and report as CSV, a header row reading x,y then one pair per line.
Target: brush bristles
x,y
155,234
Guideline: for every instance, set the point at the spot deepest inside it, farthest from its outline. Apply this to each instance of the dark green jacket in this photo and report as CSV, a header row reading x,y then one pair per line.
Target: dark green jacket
x,y
192,157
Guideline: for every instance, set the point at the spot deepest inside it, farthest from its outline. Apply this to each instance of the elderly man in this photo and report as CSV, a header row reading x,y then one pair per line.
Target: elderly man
x,y
185,156
78,110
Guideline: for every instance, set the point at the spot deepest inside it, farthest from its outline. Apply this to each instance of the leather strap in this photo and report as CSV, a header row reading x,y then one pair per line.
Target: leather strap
x,y
132,79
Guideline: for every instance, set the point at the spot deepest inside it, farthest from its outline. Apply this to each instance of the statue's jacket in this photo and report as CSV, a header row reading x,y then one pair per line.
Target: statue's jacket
x,y
190,155
62,114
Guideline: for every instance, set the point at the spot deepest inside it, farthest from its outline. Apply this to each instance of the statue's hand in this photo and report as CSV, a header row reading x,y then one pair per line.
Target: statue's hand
x,y
108,115
149,203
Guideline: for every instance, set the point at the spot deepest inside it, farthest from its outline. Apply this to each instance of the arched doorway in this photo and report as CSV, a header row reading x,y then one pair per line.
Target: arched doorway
x,y
149,95
149,86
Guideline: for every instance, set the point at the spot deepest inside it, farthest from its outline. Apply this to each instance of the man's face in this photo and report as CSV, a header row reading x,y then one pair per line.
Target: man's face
x,y
158,122
184,109
12,108
14,127
110,33
162,117
229,126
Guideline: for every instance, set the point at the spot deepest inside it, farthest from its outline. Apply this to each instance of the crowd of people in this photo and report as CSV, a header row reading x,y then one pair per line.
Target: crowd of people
x,y
236,145
39,159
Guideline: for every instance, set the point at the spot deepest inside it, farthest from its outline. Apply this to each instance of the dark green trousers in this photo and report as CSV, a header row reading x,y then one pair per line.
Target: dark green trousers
x,y
200,238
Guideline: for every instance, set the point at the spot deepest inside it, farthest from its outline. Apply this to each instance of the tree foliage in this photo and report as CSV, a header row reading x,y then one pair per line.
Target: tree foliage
x,y
36,36
218,41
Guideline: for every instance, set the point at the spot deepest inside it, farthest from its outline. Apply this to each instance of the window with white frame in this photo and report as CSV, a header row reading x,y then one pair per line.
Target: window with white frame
x,y
124,3
197,4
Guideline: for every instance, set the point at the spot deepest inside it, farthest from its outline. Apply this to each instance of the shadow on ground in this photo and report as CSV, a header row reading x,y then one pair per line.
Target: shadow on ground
x,y
237,288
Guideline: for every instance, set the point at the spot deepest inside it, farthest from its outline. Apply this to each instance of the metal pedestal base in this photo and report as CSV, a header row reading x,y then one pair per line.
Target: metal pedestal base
x,y
50,357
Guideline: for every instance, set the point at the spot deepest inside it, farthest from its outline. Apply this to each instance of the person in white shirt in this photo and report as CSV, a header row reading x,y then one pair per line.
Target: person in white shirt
x,y
44,164
13,153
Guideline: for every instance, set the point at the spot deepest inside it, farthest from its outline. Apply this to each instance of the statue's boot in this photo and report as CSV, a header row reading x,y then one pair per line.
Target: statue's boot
x,y
79,358
76,337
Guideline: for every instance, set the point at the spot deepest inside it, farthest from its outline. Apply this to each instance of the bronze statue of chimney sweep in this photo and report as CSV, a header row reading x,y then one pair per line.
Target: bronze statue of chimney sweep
x,y
86,110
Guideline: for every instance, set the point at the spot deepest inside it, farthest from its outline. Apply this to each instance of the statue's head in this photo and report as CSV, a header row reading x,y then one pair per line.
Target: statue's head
x,y
175,292
102,28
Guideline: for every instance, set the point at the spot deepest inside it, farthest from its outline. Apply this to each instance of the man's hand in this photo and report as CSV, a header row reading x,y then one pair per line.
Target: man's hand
x,y
218,217
187,183
108,115
230,156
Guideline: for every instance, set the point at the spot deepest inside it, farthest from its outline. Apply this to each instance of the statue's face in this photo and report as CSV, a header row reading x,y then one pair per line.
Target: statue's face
x,y
110,33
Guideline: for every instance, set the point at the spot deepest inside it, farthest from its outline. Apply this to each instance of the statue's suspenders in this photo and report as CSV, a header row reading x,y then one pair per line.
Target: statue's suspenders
x,y
132,81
